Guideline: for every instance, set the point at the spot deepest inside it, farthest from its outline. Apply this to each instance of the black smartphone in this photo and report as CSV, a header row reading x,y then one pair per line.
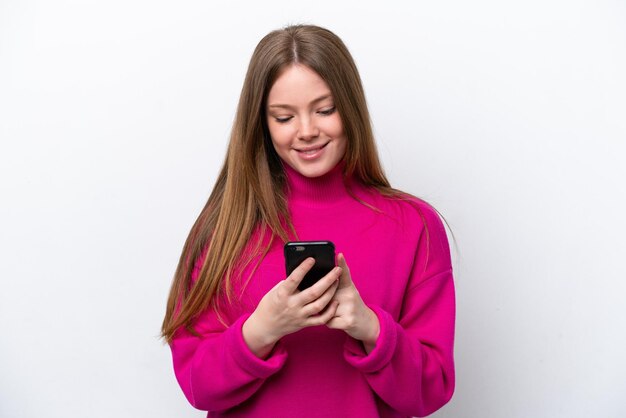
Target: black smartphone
x,y
322,251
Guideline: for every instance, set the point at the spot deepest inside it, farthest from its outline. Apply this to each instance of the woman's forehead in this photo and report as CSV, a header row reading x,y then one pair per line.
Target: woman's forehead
x,y
298,84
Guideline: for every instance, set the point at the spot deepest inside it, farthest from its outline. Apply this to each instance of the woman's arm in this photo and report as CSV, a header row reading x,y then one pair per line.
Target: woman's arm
x,y
216,370
411,366
223,366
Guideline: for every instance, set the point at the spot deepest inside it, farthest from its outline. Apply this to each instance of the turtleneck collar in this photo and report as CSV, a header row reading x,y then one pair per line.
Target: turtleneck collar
x,y
326,190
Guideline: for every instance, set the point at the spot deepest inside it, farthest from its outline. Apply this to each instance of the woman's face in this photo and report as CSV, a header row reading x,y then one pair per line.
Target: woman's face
x,y
305,127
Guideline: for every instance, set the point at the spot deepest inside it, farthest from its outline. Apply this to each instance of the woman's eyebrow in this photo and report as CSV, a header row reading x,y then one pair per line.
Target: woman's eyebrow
x,y
313,102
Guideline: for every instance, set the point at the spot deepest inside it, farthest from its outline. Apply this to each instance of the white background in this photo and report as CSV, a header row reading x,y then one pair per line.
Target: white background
x,y
509,117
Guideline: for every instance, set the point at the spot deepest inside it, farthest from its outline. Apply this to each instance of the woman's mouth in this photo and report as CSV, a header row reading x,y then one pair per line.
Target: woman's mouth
x,y
310,153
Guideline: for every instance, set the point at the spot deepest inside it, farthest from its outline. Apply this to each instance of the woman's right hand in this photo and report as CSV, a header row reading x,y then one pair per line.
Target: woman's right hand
x,y
284,310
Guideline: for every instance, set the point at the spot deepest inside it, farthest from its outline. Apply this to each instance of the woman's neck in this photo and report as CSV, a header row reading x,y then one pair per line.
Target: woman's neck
x,y
325,190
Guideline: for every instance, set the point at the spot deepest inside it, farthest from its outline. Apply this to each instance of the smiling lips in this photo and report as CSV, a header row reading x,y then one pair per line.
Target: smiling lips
x,y
311,152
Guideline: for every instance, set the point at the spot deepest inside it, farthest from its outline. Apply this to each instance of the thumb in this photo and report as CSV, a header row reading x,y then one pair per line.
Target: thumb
x,y
345,279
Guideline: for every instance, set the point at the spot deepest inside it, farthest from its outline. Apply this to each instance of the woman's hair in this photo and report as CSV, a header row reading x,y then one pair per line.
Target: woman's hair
x,y
248,195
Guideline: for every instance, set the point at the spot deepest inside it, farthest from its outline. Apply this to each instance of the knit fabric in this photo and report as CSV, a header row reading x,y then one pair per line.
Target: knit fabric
x,y
399,259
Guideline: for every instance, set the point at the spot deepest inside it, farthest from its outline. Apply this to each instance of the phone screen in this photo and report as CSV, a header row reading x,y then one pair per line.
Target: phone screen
x,y
322,251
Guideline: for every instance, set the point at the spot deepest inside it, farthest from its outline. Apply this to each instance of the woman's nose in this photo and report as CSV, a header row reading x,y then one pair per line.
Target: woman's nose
x,y
308,130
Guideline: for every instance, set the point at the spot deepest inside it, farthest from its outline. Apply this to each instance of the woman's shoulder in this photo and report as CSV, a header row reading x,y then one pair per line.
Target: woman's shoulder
x,y
419,220
407,208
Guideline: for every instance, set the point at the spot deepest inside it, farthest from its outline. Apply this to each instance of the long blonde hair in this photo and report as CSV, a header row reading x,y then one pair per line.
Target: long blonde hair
x,y
249,191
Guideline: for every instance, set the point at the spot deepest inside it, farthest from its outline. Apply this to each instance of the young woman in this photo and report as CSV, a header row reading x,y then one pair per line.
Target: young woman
x,y
372,339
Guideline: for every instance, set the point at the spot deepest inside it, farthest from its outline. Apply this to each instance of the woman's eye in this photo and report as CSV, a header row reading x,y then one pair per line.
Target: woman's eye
x,y
282,119
328,111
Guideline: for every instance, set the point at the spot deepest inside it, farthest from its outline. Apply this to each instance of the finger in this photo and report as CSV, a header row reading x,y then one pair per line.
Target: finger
x,y
345,279
324,316
291,283
320,303
317,290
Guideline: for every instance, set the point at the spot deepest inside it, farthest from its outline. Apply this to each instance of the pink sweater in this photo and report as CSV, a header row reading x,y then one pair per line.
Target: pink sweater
x,y
403,273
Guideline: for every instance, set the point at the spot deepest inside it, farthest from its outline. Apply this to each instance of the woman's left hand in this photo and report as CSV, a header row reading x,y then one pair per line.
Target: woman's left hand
x,y
352,315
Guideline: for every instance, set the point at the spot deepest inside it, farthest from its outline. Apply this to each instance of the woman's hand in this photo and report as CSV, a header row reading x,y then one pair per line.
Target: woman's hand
x,y
284,309
352,315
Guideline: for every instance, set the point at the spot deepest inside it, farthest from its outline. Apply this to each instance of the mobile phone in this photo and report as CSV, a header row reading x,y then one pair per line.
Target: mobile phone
x,y
322,251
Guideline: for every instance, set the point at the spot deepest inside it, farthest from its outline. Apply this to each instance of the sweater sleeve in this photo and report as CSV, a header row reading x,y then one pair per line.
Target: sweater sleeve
x,y
216,370
411,367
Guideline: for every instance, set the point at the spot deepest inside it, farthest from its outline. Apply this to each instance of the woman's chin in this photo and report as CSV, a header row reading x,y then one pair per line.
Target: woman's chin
x,y
313,170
